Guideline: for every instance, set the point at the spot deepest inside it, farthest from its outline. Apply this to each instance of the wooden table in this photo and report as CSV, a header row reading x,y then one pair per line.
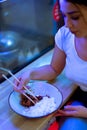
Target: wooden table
x,y
9,120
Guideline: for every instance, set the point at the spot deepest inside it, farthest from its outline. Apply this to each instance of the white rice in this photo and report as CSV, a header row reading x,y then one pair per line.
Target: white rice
x,y
43,107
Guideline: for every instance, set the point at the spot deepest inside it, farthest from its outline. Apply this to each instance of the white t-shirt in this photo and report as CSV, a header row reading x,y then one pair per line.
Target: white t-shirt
x,y
75,68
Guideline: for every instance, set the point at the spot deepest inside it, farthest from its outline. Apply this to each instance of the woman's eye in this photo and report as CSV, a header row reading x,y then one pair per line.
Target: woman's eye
x,y
75,18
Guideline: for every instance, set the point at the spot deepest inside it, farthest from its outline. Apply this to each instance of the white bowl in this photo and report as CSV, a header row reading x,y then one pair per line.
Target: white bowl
x,y
38,88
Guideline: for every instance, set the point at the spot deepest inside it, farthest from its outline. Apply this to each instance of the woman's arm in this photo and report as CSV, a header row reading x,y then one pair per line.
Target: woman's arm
x,y
49,72
46,72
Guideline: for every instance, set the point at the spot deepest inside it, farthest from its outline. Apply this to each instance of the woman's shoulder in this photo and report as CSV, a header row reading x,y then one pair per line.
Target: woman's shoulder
x,y
65,31
64,34
63,38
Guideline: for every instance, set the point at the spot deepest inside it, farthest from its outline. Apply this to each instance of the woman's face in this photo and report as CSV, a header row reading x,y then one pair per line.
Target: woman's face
x,y
73,18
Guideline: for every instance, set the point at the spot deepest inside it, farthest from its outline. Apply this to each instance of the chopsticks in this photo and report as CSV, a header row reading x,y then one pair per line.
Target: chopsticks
x,y
27,90
8,71
22,92
23,85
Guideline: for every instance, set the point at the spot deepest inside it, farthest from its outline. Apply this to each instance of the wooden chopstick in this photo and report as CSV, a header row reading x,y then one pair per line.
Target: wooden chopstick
x,y
15,86
23,85
28,91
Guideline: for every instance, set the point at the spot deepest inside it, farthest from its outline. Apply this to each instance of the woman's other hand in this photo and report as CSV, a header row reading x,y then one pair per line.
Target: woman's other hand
x,y
75,111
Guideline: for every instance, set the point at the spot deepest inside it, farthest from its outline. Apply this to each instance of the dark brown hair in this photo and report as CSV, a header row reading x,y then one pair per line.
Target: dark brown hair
x,y
80,2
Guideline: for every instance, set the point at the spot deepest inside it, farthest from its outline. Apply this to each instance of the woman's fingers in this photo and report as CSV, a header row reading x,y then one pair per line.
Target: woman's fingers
x,y
75,111
67,111
59,113
70,107
18,84
21,82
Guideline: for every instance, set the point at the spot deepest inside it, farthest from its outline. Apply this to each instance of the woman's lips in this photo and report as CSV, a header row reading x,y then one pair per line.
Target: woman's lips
x,y
74,32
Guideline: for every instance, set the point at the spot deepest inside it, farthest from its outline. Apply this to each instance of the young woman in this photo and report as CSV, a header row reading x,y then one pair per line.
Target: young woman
x,y
70,52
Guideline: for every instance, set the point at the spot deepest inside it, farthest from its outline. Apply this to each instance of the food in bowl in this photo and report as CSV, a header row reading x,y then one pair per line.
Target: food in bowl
x,y
26,102
45,106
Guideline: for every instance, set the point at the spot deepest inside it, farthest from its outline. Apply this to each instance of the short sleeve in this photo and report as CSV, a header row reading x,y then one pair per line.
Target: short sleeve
x,y
63,38
58,39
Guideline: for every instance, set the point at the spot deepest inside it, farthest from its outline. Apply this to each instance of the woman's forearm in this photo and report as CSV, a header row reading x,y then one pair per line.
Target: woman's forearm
x,y
43,73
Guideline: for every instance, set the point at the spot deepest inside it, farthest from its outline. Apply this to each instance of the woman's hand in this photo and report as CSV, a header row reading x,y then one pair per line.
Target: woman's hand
x,y
75,111
24,79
